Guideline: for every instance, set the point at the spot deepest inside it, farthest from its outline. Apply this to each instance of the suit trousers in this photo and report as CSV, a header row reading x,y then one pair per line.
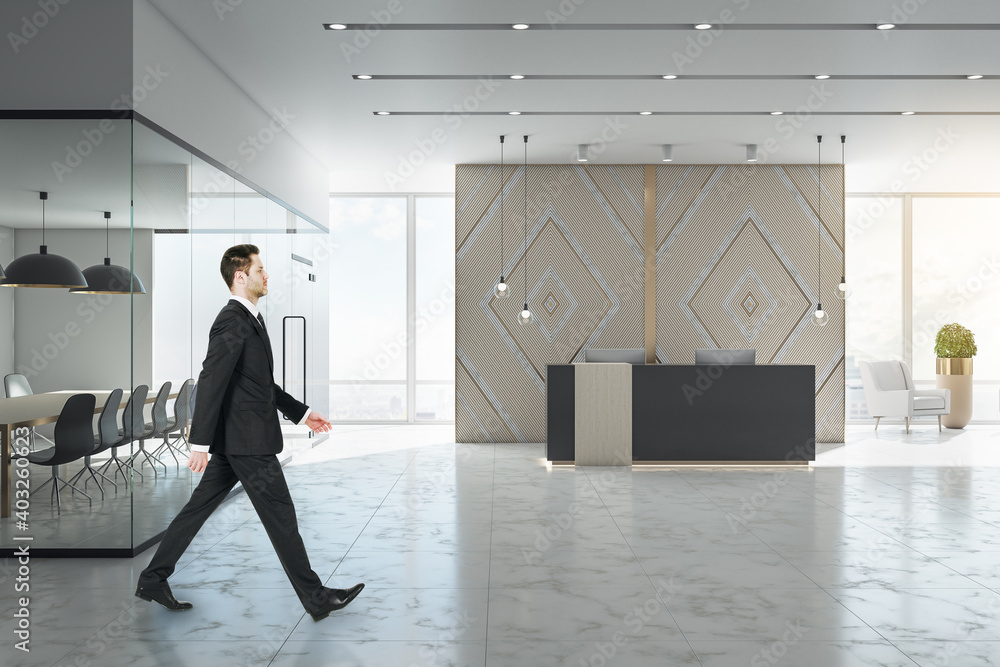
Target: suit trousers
x,y
264,483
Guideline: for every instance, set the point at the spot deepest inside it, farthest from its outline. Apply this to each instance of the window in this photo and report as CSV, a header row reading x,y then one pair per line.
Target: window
x,y
392,316
955,279
917,262
874,236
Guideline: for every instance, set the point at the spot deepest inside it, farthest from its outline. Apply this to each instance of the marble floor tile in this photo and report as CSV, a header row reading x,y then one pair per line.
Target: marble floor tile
x,y
625,652
40,654
964,653
751,568
796,651
764,614
401,614
596,614
347,653
424,537
566,568
234,567
846,535
877,569
414,569
929,614
219,614
107,652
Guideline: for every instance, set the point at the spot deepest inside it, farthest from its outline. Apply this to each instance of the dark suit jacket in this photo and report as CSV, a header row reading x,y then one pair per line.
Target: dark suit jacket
x,y
237,401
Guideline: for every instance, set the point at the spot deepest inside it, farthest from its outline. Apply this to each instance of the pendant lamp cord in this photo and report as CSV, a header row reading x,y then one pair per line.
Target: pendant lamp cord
x,y
525,178
843,176
44,196
819,215
107,234
501,208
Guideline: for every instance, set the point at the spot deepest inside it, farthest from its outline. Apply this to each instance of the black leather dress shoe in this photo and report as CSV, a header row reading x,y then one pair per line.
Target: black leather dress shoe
x,y
162,596
338,600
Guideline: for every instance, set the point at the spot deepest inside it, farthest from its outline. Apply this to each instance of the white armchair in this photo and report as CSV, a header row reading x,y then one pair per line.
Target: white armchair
x,y
889,392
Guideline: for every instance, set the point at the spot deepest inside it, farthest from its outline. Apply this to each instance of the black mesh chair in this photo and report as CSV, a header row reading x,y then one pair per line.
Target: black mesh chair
x,y
16,384
132,422
177,425
108,436
153,429
74,439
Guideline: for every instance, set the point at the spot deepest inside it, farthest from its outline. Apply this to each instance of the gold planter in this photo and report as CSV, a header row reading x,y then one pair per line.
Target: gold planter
x,y
956,374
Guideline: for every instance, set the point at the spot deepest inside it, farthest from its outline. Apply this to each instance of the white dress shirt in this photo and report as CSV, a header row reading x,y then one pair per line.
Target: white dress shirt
x,y
252,307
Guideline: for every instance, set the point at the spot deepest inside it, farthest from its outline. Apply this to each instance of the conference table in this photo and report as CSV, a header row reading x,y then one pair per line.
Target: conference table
x,y
36,410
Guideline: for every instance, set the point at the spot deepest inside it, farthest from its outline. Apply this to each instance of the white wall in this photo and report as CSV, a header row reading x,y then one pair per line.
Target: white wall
x,y
191,97
84,341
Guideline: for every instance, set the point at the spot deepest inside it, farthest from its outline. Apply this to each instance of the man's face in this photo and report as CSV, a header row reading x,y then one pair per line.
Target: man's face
x,y
256,277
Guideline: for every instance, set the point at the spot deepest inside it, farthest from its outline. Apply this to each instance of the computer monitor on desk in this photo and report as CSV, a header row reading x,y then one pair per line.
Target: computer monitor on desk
x,y
637,357
725,357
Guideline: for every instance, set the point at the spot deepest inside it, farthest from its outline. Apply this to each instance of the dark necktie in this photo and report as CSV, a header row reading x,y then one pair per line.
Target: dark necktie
x,y
261,320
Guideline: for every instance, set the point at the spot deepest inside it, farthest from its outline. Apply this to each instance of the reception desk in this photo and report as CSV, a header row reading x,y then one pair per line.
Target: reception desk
x,y
690,414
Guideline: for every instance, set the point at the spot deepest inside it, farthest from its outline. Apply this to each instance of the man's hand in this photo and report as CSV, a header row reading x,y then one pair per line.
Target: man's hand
x,y
317,423
197,461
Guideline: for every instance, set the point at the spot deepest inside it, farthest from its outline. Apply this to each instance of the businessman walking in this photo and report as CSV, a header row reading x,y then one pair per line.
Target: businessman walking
x,y
236,420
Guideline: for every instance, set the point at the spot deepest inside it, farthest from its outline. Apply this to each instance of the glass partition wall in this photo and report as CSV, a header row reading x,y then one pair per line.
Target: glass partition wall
x,y
174,212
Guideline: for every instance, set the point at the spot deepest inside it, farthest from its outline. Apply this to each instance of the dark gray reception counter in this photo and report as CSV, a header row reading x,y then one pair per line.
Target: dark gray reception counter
x,y
689,414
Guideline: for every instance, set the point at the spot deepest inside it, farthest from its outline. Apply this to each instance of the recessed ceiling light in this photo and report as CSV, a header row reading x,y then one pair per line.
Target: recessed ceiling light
x,y
381,113
885,26
645,113
777,113
669,77
974,77
702,26
907,113
513,113
520,26
335,26
363,77
821,77
517,77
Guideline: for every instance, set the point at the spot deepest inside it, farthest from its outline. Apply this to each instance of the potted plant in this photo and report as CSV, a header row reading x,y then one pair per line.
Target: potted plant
x,y
955,346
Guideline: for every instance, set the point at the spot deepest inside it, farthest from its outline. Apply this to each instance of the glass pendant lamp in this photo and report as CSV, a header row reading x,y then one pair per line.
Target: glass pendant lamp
x,y
819,317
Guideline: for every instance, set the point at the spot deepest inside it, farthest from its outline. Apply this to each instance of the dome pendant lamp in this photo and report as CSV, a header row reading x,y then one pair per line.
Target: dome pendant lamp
x,y
109,278
43,269
820,317
525,318
501,289
843,289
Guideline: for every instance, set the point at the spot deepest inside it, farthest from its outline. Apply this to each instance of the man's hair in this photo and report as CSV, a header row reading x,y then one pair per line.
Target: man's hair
x,y
236,259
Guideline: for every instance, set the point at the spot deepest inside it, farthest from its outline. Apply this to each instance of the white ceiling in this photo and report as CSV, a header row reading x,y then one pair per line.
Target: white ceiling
x,y
279,54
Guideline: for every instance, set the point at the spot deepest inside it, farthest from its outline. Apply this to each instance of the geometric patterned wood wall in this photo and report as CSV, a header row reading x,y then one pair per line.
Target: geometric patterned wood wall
x,y
735,267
